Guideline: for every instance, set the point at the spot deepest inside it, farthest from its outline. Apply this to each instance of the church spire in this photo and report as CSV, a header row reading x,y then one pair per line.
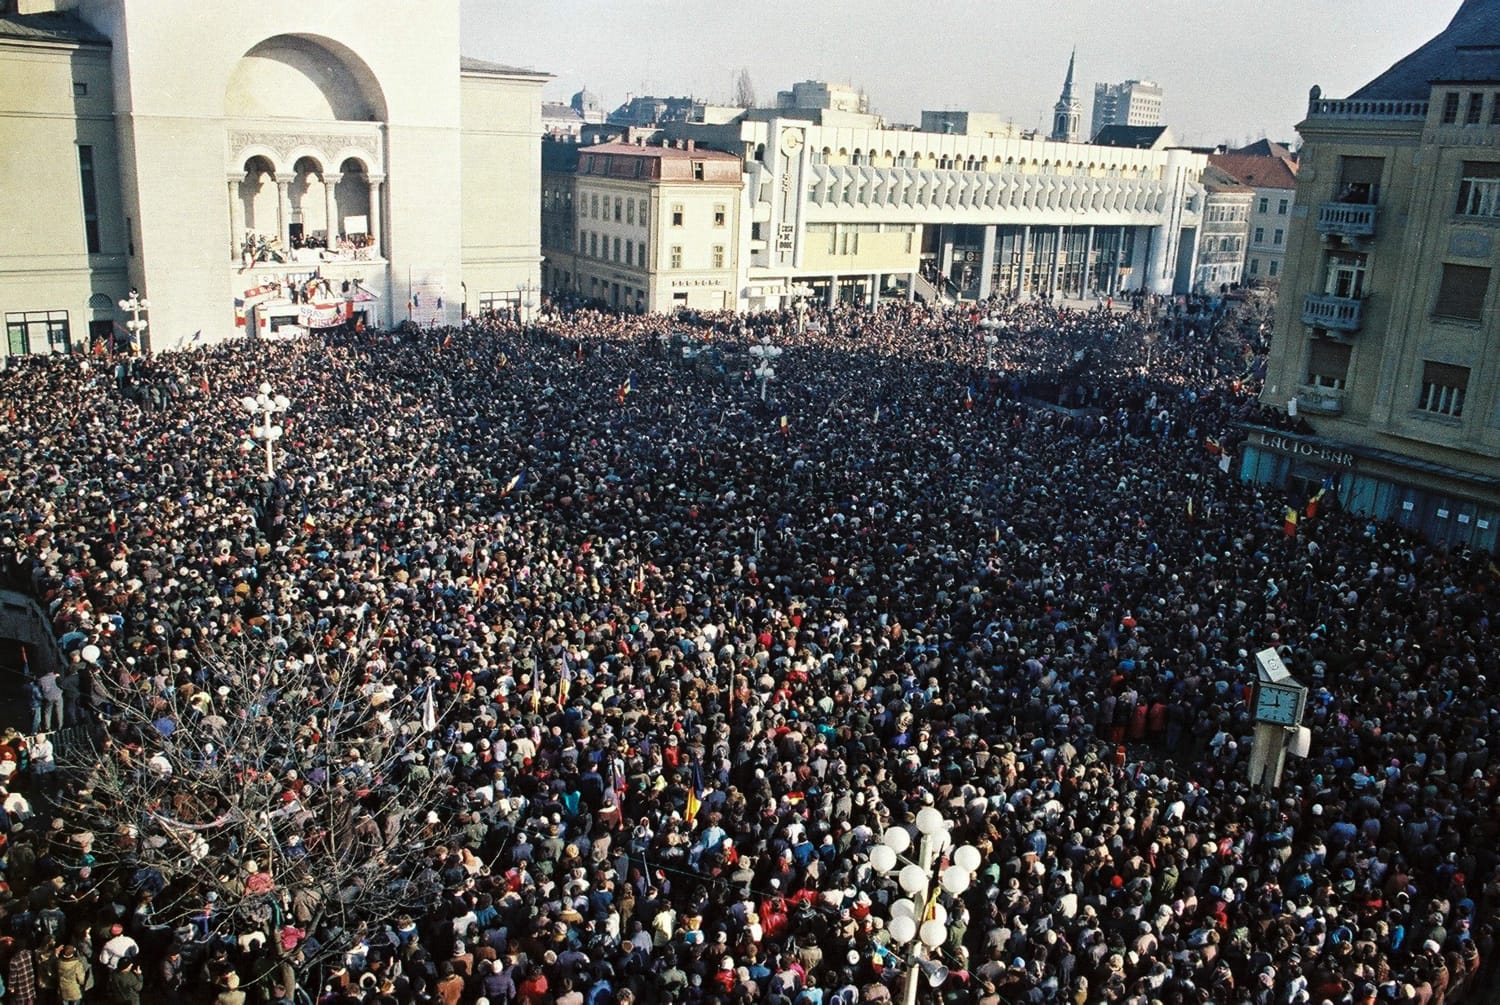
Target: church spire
x,y
1067,114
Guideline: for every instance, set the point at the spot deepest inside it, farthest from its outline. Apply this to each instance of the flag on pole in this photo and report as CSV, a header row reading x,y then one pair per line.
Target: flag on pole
x,y
785,428
429,711
197,336
1289,522
1212,446
518,480
625,389
695,793
1316,502
969,396
113,523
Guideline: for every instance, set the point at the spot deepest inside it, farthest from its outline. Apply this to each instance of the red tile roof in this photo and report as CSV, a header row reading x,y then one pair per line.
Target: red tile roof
x,y
1257,172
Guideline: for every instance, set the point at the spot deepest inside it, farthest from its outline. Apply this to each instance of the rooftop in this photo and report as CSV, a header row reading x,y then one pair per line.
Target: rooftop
x,y
469,64
1468,50
659,152
49,27
1258,172
1130,137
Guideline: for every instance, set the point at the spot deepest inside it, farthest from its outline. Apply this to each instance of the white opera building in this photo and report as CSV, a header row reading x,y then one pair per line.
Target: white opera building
x,y
843,212
271,164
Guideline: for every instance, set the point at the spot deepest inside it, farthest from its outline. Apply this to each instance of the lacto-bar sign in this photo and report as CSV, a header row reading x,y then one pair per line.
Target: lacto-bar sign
x,y
1301,448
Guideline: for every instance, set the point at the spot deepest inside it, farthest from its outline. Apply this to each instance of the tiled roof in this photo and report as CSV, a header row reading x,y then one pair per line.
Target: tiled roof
x,y
1257,172
1468,50
49,27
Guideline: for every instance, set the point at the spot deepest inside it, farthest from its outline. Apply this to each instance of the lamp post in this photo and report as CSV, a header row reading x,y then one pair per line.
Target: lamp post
x,y
135,305
266,406
919,923
764,354
990,341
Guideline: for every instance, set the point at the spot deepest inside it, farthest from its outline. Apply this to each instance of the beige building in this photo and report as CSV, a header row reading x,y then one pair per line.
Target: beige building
x,y
1271,171
299,148
657,228
1387,345
1224,233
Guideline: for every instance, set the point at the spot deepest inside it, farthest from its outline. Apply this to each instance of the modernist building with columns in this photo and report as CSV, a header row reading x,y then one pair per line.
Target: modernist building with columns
x,y
857,213
349,154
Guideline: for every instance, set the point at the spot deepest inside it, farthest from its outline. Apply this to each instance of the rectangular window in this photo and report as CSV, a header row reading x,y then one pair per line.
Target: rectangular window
x,y
643,212
80,89
593,245
630,247
1275,267
697,170
677,214
1479,189
28,331
676,256
1461,294
1476,109
90,198
1450,108
1359,180
1282,207
1254,266
630,212
1260,235
1495,110
1327,363
1277,237
1265,204
617,249
1346,275
718,256
1443,389
720,214
619,206
582,241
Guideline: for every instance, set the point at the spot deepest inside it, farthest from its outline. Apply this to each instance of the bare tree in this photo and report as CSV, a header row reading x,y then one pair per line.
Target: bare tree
x,y
294,789
744,89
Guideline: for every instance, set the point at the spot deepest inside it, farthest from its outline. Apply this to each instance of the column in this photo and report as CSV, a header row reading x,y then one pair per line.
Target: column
x,y
1024,274
235,236
284,211
874,290
1057,250
833,291
911,289
1117,260
1088,262
331,205
375,184
945,262
987,263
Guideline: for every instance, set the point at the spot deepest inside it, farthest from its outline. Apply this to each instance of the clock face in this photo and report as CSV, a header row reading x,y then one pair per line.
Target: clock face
x,y
1277,705
791,139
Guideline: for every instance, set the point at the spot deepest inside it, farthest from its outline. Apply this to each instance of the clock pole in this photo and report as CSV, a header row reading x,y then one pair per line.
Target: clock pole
x,y
1279,703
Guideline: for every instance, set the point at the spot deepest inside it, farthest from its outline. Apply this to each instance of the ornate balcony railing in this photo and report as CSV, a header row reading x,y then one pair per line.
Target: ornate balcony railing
x,y
1340,314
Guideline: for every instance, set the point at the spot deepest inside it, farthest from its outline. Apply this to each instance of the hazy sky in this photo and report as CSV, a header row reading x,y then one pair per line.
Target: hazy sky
x,y
1230,69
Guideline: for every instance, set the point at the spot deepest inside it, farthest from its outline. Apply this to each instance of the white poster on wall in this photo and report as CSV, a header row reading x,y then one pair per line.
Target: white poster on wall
x,y
426,307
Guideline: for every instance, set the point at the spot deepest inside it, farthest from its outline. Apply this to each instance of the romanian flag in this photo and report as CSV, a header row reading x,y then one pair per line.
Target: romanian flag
x,y
785,429
1212,446
518,480
625,389
1316,502
1289,522
113,521
969,397
695,793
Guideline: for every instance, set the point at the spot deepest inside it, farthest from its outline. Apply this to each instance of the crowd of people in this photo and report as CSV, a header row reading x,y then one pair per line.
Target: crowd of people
x,y
641,668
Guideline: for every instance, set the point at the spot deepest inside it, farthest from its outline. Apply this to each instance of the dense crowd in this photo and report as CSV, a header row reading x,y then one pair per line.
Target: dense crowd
x,y
665,662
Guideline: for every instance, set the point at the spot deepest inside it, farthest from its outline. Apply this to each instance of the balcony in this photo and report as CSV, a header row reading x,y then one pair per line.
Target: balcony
x,y
1338,314
1342,219
1320,400
1319,107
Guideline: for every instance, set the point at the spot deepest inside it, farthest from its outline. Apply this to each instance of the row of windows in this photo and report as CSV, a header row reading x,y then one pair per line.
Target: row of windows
x,y
1469,108
619,209
1227,214
843,238
602,246
30,331
1273,267
934,162
1461,290
1276,238
1442,390
1264,206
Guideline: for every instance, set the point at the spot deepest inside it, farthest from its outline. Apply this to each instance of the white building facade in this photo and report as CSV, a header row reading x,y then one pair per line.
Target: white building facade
x,y
299,149
854,214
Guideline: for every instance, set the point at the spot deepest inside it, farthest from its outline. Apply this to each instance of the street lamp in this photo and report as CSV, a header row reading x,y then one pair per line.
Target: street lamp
x,y
764,354
918,921
135,305
266,405
990,341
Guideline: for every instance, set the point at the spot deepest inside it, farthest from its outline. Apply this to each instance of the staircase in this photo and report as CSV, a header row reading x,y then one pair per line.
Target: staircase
x,y
928,292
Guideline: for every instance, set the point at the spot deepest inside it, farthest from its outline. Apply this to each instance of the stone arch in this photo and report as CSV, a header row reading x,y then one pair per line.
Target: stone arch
x,y
259,199
307,77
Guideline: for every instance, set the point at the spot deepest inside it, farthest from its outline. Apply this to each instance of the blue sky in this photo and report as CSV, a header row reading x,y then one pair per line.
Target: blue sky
x,y
1231,69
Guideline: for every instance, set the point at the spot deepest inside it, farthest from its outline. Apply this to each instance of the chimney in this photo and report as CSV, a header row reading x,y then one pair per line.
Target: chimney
x,y
691,144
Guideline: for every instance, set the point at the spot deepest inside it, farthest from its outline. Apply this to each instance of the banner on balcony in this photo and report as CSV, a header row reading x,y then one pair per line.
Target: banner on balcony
x,y
318,316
